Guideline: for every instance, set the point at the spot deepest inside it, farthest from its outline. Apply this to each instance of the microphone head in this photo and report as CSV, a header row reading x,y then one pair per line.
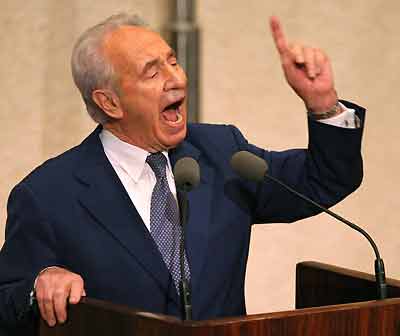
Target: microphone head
x,y
187,174
249,166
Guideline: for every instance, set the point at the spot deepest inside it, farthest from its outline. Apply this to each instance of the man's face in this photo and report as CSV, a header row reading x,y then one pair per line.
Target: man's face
x,y
151,88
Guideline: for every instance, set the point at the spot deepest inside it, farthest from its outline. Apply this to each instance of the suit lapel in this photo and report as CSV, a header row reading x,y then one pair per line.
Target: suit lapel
x,y
105,198
199,200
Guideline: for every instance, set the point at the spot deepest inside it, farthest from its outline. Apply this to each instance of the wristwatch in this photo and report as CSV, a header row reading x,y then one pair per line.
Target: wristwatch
x,y
334,110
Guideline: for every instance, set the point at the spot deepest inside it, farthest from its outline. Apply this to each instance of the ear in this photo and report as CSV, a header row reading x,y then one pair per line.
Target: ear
x,y
108,101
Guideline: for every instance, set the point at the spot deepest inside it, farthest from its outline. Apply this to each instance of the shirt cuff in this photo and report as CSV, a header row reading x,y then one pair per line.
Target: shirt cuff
x,y
346,119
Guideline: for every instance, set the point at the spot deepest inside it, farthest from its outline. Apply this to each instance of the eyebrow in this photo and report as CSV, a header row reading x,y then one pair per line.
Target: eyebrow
x,y
155,61
171,53
150,64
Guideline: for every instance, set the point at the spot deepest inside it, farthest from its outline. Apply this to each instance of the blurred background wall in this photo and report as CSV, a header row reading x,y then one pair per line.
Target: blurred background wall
x,y
241,83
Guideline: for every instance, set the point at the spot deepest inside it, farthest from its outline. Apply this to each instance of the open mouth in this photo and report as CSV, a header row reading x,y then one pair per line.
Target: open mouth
x,y
172,112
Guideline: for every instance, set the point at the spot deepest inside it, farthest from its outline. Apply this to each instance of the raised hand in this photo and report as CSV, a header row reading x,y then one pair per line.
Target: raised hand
x,y
54,287
307,70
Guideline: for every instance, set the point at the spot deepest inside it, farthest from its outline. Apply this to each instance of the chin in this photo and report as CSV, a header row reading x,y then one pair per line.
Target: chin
x,y
173,140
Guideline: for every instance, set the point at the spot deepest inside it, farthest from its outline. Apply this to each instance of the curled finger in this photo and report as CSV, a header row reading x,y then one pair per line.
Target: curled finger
x,y
320,60
60,304
77,291
297,53
44,300
309,58
48,307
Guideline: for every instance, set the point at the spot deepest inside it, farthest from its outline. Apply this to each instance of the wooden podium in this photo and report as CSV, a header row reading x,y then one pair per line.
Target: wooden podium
x,y
330,301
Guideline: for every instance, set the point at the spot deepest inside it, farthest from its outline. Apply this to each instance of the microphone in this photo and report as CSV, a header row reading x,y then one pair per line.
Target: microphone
x,y
249,166
187,174
187,177
253,168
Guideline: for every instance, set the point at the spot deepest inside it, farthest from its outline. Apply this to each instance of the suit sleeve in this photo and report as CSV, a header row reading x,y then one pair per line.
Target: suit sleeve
x,y
327,171
30,247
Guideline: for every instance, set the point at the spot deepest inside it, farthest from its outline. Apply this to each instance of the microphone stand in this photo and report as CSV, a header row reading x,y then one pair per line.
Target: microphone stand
x,y
379,265
184,285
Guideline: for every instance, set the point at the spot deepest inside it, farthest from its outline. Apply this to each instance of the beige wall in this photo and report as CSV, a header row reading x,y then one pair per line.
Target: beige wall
x,y
242,83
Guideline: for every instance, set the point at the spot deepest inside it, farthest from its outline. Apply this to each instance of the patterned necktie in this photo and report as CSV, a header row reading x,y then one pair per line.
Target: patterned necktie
x,y
164,219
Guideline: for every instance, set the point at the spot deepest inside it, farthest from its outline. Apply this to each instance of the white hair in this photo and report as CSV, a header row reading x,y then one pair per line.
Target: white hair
x,y
90,69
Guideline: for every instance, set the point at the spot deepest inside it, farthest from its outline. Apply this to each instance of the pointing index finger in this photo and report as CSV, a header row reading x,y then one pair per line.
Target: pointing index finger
x,y
278,36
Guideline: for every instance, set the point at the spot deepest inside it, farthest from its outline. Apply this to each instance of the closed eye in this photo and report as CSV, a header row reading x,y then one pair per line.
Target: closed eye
x,y
173,61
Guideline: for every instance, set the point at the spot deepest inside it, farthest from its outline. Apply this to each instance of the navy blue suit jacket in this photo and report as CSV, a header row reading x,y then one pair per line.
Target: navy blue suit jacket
x,y
73,211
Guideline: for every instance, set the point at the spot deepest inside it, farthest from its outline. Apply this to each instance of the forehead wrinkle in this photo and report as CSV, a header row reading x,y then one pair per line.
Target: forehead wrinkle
x,y
158,60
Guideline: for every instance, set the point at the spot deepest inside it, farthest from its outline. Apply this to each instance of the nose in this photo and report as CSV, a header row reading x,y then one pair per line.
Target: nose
x,y
175,77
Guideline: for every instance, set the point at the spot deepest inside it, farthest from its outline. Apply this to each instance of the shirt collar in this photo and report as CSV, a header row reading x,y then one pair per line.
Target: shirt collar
x,y
129,157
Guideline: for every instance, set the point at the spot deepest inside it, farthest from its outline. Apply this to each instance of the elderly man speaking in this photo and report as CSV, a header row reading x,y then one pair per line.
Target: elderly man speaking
x,y
102,219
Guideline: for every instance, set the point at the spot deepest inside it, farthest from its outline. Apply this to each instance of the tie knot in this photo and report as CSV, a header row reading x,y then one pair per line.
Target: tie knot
x,y
157,162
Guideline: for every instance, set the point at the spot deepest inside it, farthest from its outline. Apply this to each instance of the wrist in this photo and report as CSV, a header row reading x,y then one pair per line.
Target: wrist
x,y
321,103
335,110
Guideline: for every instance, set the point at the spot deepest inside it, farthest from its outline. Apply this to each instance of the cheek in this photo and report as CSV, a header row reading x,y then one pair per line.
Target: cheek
x,y
149,102
142,108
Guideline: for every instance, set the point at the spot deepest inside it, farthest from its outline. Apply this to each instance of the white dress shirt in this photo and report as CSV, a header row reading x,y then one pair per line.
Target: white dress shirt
x,y
137,177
